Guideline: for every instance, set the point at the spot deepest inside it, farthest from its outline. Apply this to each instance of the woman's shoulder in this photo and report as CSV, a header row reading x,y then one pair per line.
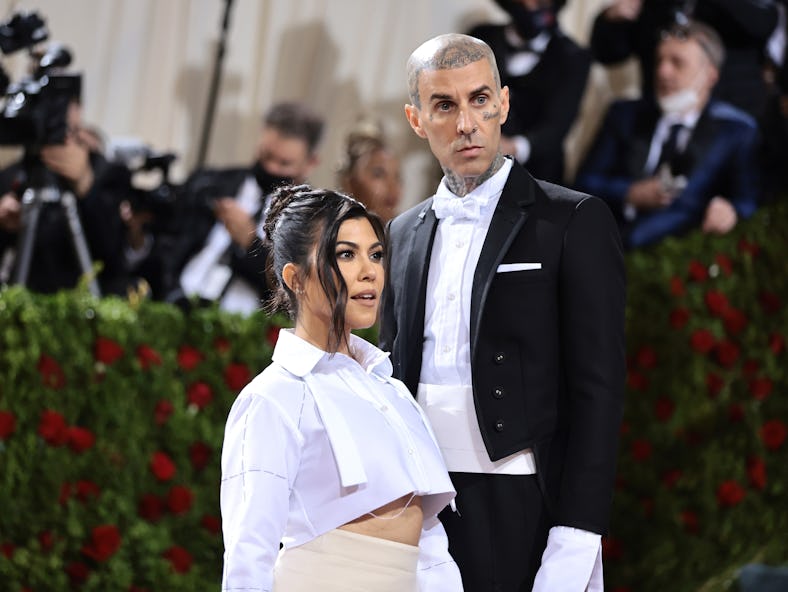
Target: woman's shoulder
x,y
275,387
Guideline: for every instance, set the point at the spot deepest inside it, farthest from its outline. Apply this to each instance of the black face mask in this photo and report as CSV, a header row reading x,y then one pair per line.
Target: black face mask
x,y
266,181
529,23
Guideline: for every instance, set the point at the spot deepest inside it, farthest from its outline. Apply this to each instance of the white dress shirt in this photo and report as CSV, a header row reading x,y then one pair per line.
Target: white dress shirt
x,y
572,560
316,441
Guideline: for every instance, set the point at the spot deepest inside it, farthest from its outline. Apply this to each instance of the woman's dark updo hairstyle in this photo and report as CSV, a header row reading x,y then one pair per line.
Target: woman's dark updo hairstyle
x,y
301,219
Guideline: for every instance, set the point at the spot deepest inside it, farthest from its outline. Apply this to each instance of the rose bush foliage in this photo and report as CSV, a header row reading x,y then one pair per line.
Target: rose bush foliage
x,y
112,417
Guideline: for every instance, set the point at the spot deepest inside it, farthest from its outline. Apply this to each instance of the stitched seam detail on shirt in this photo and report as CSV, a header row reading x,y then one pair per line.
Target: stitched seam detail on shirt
x,y
429,567
301,410
244,472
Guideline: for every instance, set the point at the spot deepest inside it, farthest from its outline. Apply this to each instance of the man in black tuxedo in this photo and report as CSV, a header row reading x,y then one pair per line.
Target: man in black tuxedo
x,y
546,73
219,255
504,313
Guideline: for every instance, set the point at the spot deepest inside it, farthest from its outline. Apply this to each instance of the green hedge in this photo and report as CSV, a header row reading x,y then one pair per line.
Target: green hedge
x,y
112,415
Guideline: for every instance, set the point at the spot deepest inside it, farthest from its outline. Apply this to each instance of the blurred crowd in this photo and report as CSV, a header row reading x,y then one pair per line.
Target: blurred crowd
x,y
702,147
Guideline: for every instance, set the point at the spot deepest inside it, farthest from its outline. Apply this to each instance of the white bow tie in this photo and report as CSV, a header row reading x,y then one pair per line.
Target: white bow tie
x,y
467,207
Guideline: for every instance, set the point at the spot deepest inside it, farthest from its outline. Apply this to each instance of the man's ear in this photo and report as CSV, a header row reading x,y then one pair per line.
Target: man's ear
x,y
504,104
413,115
290,277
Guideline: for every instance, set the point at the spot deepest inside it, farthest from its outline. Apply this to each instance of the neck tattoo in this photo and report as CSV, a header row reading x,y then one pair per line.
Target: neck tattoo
x,y
462,186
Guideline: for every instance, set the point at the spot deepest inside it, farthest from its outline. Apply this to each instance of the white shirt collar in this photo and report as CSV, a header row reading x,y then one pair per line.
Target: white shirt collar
x,y
299,357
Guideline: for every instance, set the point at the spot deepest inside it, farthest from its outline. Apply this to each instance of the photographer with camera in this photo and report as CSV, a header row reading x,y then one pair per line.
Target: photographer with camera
x,y
219,254
56,214
68,167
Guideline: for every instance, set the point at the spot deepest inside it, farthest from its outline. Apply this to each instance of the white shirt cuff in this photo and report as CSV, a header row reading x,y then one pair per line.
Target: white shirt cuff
x,y
572,562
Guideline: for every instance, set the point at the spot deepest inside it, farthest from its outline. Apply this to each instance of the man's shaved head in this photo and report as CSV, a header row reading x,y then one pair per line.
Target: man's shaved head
x,y
446,52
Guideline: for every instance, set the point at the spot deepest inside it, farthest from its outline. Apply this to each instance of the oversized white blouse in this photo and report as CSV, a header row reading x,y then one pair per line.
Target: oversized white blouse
x,y
316,441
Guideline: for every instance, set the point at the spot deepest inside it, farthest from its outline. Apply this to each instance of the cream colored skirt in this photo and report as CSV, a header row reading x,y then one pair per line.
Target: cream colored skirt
x,y
342,561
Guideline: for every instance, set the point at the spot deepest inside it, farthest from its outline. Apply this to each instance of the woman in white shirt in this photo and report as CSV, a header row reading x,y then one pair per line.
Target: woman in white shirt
x,y
324,452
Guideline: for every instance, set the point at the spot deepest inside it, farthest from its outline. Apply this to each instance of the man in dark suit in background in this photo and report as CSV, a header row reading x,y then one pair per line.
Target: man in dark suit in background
x,y
219,256
683,161
504,312
546,73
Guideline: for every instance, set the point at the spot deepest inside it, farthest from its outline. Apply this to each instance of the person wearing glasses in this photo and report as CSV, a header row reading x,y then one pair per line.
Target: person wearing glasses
x,y
680,159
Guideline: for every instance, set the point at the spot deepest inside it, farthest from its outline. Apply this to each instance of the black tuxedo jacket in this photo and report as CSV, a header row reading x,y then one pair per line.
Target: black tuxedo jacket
x,y
547,345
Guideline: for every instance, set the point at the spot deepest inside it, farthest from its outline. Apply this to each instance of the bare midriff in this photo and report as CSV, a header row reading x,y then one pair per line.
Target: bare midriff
x,y
399,521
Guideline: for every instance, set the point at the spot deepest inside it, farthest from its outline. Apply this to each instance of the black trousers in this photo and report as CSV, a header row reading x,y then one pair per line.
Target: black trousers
x,y
499,532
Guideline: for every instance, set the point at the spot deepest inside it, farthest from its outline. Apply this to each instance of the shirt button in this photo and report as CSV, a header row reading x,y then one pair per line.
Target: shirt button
x,y
452,297
410,451
459,244
498,393
384,409
446,349
499,425
499,358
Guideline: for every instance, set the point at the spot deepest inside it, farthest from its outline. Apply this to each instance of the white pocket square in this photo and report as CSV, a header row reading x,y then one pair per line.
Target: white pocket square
x,y
507,267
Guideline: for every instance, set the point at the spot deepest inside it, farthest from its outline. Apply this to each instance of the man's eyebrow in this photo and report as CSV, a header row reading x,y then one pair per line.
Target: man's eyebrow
x,y
481,89
440,97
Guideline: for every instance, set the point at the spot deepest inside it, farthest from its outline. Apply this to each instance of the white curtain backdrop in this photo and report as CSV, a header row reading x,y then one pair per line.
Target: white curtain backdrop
x,y
147,68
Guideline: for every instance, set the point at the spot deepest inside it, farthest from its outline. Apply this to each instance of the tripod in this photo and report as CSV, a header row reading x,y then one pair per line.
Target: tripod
x,y
39,194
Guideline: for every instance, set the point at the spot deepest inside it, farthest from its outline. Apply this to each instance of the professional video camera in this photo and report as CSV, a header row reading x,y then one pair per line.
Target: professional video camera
x,y
33,110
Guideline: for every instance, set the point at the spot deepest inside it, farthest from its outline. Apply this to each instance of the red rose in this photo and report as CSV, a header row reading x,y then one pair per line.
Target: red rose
x,y
646,357
714,384
80,439
200,455
770,302
211,523
773,434
52,428
735,413
760,388
636,381
51,373
179,499
756,472
727,353
77,572
179,558
776,343
748,247
750,368
7,424
150,507
199,394
612,549
107,351
162,466
86,490
236,376
690,521
221,345
735,321
162,412
679,318
669,478
702,341
663,408
104,543
641,450
677,286
147,357
698,271
46,539
188,357
272,335
7,550
725,264
716,302
729,494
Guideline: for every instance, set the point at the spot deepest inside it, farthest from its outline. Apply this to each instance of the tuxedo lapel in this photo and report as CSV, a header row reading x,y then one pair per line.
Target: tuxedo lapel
x,y
509,217
413,294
